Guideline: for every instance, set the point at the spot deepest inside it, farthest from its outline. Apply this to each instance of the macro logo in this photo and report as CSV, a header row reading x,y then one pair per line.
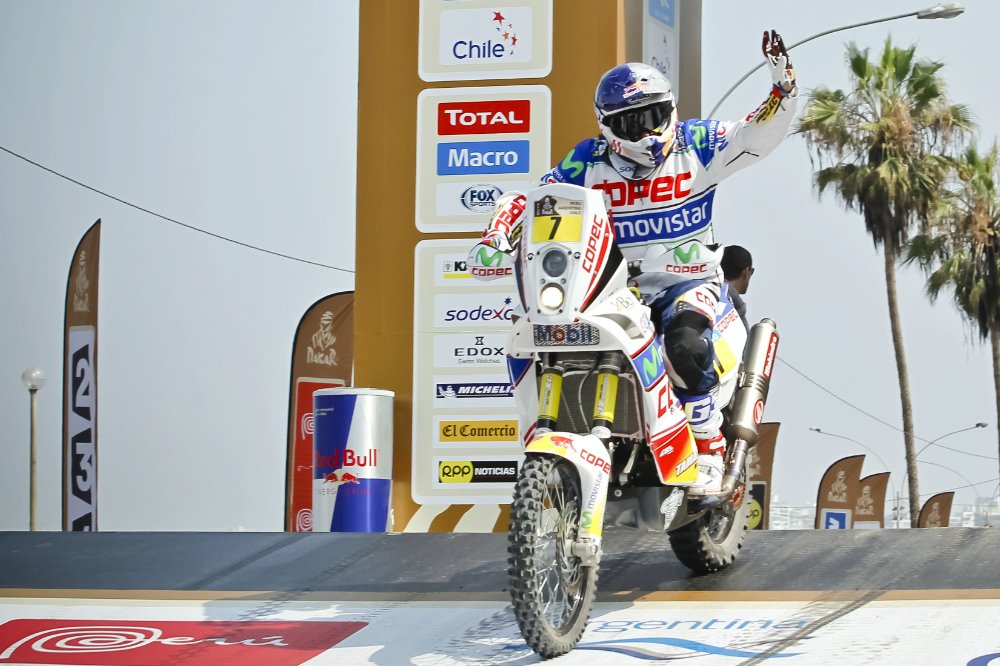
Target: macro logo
x,y
650,365
501,116
479,36
481,197
464,158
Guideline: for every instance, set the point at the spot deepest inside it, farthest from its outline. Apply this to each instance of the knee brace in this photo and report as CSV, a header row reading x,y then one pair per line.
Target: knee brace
x,y
687,342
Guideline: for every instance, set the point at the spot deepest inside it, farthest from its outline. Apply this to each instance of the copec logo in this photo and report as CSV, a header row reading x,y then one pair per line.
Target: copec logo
x,y
483,157
472,310
501,116
479,36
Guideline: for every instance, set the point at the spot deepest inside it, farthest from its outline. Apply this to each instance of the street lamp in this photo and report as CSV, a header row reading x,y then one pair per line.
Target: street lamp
x,y
940,11
954,432
33,380
895,487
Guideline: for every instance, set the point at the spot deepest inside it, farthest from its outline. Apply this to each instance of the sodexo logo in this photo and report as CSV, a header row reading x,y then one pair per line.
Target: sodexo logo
x,y
463,158
476,36
472,310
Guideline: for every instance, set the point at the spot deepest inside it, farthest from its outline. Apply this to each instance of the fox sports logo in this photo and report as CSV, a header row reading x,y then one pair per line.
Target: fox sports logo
x,y
481,197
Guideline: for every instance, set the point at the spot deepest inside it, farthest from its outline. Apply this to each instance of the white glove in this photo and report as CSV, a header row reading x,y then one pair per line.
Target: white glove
x,y
778,61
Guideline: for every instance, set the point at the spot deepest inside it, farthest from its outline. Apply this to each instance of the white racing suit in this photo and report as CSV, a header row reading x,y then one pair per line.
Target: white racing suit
x,y
663,215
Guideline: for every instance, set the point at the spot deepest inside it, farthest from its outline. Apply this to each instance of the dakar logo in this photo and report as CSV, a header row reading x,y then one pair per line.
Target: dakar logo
x,y
81,297
321,351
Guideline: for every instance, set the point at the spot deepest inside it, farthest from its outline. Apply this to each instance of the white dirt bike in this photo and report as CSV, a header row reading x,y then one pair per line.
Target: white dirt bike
x,y
606,441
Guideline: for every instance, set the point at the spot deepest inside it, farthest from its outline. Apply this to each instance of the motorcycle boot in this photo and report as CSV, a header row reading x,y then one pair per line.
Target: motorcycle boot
x,y
705,419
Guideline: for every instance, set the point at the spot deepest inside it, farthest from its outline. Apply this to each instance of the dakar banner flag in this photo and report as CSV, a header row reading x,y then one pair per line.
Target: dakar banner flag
x,y
79,431
869,506
761,462
838,492
322,357
936,511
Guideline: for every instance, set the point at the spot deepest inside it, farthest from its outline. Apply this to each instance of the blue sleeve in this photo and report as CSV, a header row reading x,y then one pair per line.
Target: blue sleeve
x,y
574,166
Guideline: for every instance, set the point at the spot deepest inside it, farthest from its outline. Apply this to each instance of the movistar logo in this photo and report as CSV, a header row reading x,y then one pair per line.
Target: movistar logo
x,y
574,167
486,259
652,365
685,256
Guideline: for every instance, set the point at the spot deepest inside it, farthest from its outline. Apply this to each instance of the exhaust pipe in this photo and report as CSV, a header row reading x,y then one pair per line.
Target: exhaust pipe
x,y
748,406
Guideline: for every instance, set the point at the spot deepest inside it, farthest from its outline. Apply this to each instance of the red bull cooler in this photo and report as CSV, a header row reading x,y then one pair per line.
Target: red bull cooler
x,y
352,460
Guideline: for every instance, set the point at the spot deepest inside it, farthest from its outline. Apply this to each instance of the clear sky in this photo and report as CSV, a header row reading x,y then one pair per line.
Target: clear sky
x,y
239,118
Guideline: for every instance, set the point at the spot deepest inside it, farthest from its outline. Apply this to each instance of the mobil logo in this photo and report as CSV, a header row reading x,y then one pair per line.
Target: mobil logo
x,y
482,157
501,116
481,197
487,35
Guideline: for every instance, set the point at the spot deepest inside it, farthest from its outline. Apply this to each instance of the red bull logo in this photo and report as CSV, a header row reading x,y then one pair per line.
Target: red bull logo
x,y
348,458
340,477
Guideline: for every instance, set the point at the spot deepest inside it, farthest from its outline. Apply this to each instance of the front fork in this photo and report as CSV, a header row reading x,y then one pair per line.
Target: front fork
x,y
605,397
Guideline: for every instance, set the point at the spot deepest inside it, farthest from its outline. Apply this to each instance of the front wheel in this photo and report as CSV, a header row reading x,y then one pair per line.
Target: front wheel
x,y
713,540
551,590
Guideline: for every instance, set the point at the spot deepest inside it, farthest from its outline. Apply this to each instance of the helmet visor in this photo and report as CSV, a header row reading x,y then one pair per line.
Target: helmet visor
x,y
634,124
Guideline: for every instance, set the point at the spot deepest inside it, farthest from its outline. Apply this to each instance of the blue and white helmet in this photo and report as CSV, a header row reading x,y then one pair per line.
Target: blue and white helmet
x,y
635,109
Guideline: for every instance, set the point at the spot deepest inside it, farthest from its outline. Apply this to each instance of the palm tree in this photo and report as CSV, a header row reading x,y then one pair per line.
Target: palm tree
x,y
882,147
962,247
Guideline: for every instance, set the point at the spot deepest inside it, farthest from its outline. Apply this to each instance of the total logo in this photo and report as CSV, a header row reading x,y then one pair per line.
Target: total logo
x,y
485,35
500,116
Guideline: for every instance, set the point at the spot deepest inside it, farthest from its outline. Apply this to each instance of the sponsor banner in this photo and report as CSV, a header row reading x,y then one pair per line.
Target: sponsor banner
x,y
671,224
838,493
661,39
760,466
473,145
463,430
498,471
475,40
462,400
936,511
476,310
755,516
194,643
474,198
869,507
473,390
487,351
79,431
322,357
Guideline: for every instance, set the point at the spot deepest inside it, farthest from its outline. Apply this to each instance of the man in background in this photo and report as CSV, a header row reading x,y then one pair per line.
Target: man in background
x,y
737,266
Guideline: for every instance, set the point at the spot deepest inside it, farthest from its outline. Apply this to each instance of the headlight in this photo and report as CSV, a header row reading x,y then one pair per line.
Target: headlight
x,y
554,263
551,296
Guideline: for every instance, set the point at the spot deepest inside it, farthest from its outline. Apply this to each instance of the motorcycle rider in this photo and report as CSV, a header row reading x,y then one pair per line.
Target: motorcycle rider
x,y
659,178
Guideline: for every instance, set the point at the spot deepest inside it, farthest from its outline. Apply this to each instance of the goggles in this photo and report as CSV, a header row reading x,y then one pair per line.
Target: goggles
x,y
634,124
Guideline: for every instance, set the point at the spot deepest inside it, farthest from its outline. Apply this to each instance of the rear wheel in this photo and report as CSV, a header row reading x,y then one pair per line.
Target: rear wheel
x,y
712,541
551,590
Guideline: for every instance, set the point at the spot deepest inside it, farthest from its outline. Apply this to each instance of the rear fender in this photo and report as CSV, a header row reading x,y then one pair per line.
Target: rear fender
x,y
589,456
